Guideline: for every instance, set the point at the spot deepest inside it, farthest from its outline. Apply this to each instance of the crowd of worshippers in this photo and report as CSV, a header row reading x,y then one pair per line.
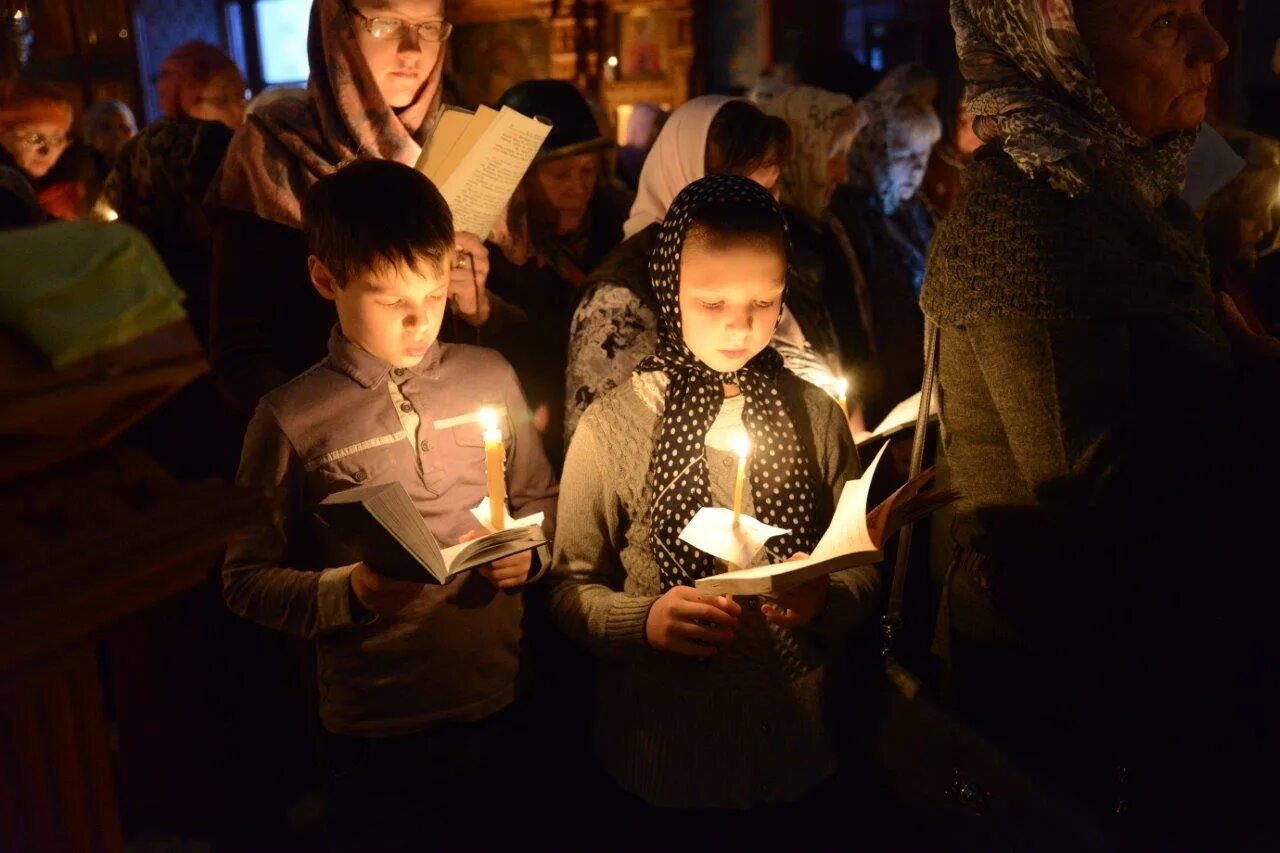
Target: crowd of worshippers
x,y
1106,360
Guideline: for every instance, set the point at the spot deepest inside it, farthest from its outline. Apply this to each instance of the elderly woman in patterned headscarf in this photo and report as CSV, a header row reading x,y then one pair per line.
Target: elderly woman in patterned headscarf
x,y
884,232
375,88
1080,367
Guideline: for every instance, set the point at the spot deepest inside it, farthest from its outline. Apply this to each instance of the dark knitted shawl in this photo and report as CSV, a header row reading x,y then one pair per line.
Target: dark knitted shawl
x,y
1015,247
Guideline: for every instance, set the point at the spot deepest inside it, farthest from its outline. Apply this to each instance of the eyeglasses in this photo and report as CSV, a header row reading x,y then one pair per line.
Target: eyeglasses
x,y
41,140
385,29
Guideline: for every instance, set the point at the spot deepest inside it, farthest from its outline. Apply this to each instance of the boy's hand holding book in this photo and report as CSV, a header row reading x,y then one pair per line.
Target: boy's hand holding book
x,y
379,594
507,573
686,624
797,607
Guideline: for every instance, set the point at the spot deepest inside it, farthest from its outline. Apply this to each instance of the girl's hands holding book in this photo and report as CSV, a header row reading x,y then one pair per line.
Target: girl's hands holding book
x,y
686,624
797,607
381,595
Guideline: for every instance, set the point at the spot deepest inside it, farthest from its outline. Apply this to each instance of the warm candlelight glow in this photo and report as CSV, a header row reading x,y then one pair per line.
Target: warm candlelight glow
x,y
495,465
742,447
840,387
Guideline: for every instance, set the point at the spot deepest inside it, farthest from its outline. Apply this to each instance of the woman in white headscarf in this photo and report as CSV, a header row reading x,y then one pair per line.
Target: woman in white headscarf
x,y
615,325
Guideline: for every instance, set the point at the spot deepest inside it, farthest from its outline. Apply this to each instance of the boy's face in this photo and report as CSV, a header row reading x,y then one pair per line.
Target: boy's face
x,y
392,312
730,300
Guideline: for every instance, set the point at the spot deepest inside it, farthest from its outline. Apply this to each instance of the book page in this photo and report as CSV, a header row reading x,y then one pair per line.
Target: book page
x,y
848,531
471,135
494,546
450,127
479,186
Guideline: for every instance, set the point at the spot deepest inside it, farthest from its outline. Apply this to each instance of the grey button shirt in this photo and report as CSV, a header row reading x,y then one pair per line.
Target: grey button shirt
x,y
353,420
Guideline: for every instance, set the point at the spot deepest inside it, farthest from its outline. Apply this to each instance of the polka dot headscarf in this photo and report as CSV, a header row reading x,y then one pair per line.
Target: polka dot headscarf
x,y
678,476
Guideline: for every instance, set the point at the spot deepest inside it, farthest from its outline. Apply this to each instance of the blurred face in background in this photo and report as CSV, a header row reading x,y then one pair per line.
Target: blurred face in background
x,y
399,55
908,157
563,187
110,132
36,146
222,99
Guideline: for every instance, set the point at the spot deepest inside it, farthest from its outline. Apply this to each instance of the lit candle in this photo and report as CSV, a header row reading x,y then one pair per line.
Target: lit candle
x,y
840,388
495,465
741,446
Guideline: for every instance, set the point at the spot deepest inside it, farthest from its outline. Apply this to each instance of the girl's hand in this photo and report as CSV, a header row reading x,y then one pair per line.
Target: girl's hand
x,y
682,622
467,279
798,606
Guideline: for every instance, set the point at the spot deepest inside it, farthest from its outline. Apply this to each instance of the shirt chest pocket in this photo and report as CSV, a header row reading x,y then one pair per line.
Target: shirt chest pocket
x,y
365,464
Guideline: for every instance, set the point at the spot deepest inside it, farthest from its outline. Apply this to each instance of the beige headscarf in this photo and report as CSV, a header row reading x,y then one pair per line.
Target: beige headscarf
x,y
285,147
820,122
677,159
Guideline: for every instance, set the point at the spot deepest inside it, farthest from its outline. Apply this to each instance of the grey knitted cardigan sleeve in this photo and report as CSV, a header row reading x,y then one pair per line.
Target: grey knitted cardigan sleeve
x,y
735,731
1080,363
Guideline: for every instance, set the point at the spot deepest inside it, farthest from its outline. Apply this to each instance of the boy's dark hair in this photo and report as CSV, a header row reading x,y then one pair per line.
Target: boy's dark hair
x,y
742,139
725,224
373,213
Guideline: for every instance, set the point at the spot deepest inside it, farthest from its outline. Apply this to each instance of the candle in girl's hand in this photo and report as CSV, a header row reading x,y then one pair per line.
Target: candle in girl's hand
x,y
742,447
495,463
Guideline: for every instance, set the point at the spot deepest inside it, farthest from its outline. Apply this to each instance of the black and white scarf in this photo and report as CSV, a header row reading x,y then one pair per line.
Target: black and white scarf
x,y
679,479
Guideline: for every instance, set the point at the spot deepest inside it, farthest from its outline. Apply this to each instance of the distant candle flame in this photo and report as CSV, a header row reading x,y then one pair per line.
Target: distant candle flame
x,y
742,444
488,419
840,387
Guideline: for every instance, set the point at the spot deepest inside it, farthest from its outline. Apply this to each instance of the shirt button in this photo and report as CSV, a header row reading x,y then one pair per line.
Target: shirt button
x,y
399,371
406,406
425,445
360,476
727,462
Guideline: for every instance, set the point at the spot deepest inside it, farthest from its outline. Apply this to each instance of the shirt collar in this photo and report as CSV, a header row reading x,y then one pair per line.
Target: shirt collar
x,y
367,369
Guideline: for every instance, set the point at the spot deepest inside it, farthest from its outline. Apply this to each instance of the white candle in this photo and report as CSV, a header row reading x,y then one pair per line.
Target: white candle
x,y
495,465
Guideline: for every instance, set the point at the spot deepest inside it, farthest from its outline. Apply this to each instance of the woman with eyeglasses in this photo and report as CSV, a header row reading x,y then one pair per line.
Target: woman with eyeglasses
x,y
36,180
375,91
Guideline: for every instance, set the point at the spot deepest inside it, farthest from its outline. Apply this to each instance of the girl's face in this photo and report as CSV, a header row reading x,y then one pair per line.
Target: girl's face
x,y
398,56
730,300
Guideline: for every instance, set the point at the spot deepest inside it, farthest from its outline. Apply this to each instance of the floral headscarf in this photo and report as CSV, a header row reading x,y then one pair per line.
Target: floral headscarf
x,y
678,475
285,147
819,120
1033,89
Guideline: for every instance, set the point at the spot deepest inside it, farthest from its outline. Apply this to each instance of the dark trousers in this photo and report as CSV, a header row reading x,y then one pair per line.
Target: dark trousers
x,y
454,786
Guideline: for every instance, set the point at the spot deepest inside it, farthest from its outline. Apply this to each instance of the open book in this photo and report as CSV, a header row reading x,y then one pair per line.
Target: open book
x,y
476,160
901,418
854,537
380,525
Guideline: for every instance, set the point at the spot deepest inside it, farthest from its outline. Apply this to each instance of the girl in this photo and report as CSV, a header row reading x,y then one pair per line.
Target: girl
x,y
615,326
708,703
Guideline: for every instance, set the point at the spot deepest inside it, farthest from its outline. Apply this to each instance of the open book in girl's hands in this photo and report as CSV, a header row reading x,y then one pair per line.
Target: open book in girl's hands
x,y
855,537
380,525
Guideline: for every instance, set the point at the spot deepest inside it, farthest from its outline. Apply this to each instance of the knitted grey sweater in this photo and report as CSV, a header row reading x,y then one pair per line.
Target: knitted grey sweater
x,y
737,730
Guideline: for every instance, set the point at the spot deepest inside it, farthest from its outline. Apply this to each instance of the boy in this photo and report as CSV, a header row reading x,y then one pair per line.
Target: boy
x,y
413,678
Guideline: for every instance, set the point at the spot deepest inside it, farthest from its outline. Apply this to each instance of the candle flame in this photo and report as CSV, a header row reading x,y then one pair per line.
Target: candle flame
x,y
742,444
488,419
841,387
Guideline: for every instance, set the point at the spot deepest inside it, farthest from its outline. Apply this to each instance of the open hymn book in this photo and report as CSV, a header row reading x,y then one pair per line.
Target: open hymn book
x,y
855,537
380,525
477,159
